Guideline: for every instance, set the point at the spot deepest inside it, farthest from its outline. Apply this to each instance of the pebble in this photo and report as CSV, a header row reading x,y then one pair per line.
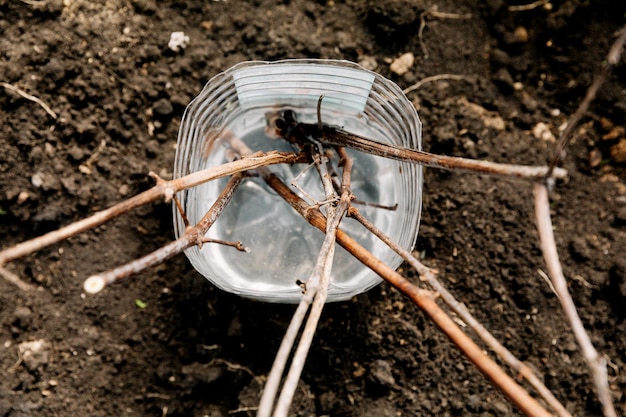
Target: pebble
x,y
521,34
46,182
542,131
162,108
499,57
22,317
381,373
34,354
76,153
617,132
368,62
178,41
36,180
22,197
503,79
618,151
402,64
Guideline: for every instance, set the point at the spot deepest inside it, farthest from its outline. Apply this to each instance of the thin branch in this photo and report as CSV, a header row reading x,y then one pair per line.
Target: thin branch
x,y
323,270
433,78
424,300
612,60
320,277
14,279
193,236
163,189
34,2
595,362
433,11
337,137
430,276
526,7
30,97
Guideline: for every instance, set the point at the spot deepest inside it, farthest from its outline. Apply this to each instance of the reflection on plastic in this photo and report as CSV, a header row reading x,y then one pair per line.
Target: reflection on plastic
x,y
283,247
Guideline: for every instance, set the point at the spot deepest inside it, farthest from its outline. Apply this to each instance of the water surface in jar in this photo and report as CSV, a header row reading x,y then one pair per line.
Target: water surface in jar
x,y
283,246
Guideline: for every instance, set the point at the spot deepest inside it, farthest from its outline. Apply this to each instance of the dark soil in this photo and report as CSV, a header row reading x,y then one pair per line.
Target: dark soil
x,y
104,68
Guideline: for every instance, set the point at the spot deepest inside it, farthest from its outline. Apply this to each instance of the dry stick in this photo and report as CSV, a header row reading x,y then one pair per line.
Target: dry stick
x,y
337,137
433,78
320,277
323,269
596,363
430,276
14,279
163,189
193,236
434,12
424,300
611,61
526,7
30,97
282,356
315,289
315,294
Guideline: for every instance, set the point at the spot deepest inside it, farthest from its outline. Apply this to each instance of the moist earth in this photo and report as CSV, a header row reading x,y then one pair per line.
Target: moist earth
x,y
168,343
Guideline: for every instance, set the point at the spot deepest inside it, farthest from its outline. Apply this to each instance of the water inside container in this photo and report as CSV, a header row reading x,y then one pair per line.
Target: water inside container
x,y
283,246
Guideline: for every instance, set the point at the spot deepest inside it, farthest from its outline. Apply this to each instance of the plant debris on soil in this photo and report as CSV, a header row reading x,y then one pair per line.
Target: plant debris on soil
x,y
167,343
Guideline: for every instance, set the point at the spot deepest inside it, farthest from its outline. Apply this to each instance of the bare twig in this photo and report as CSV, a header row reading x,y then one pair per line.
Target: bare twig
x,y
337,137
433,11
433,78
85,167
612,60
163,189
323,270
320,277
315,295
430,276
526,7
14,279
30,97
424,300
193,236
596,363
34,2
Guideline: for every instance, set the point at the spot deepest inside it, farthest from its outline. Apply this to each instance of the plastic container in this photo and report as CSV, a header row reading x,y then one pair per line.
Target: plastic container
x,y
283,246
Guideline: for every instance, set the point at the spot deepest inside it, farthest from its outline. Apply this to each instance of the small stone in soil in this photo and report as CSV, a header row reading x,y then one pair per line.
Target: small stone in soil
x,y
381,374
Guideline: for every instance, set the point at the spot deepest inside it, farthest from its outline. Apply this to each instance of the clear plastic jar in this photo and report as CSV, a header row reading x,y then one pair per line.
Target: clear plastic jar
x,y
283,246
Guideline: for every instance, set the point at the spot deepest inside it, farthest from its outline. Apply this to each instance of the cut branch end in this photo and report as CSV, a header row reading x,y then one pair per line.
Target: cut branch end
x,y
94,284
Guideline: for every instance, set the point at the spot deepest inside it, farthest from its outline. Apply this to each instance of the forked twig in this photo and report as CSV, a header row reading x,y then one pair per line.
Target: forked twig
x,y
434,12
163,189
193,236
321,274
315,293
612,60
595,362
